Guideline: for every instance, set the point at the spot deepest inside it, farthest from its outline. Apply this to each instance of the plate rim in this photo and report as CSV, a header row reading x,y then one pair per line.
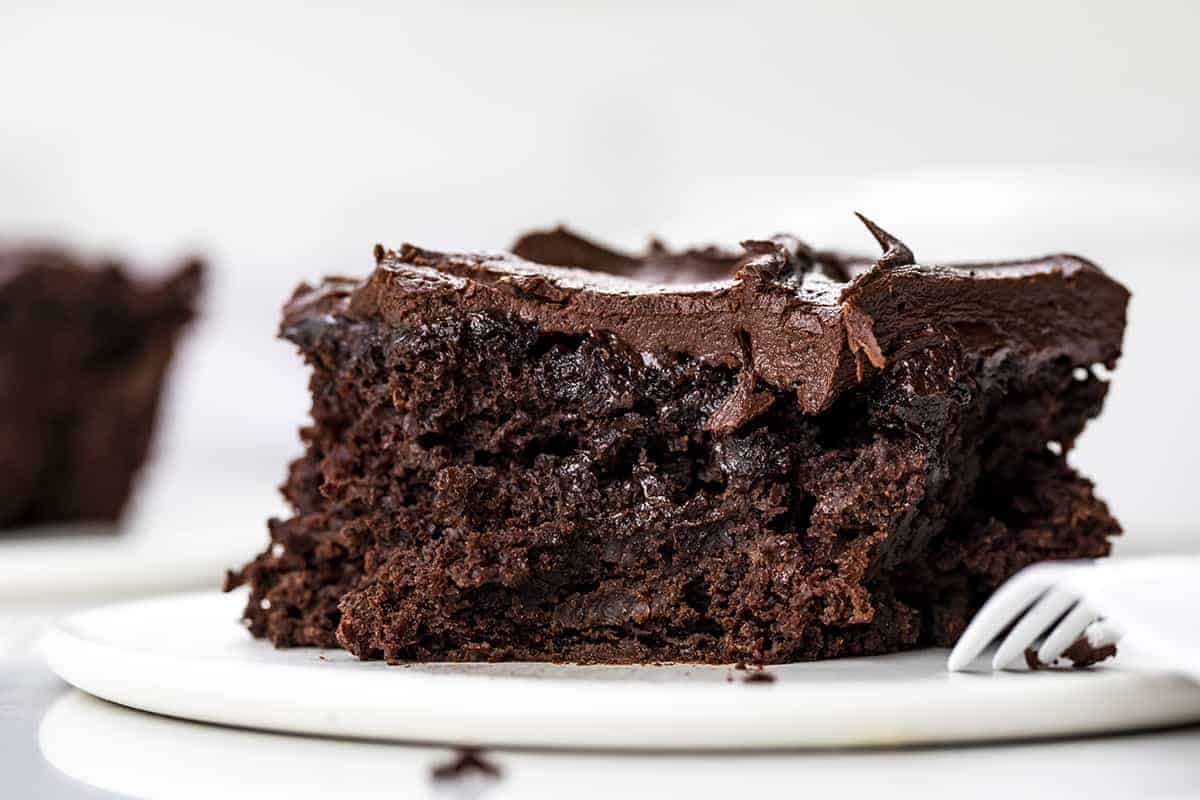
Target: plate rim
x,y
396,704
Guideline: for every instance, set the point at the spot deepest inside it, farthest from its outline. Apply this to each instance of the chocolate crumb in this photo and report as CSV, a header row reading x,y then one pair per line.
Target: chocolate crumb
x,y
1083,654
466,763
1080,655
759,677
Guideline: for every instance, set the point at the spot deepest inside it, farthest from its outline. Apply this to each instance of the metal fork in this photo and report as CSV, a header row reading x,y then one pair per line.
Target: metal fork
x,y
1155,601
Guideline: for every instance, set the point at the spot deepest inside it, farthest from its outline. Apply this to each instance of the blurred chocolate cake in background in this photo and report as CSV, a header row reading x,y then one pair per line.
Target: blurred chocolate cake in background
x,y
84,350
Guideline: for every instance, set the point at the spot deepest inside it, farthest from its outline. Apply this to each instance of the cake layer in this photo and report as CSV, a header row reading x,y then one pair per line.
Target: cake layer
x,y
512,461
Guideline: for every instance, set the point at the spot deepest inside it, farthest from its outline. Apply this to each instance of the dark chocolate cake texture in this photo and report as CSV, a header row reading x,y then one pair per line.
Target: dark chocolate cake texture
x,y
84,349
772,455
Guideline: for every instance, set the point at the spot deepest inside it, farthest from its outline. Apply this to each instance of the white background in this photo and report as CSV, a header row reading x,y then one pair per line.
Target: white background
x,y
283,141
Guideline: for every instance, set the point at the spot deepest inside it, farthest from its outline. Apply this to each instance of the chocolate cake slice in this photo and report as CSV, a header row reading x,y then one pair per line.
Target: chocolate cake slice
x,y
83,351
777,454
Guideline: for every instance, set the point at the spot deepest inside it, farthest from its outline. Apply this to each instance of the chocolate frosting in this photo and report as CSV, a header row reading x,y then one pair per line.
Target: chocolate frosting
x,y
790,318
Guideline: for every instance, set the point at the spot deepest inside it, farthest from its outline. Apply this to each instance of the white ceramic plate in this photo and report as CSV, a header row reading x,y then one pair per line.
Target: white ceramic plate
x,y
187,656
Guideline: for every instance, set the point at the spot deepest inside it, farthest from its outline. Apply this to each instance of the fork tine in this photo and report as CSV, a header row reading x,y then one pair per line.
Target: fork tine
x,y
1066,632
1040,617
1007,603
